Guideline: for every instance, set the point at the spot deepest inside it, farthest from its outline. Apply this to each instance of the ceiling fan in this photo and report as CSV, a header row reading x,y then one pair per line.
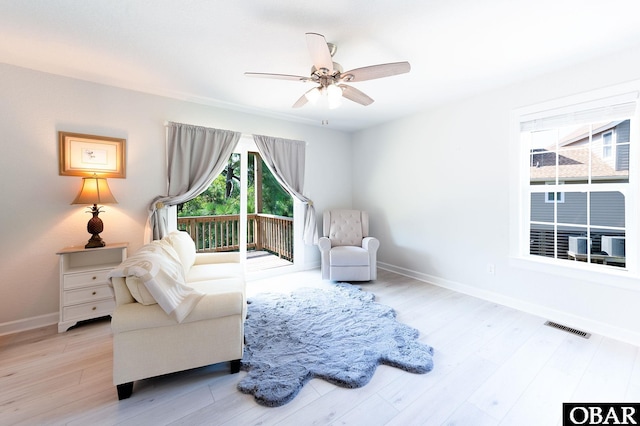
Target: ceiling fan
x,y
331,79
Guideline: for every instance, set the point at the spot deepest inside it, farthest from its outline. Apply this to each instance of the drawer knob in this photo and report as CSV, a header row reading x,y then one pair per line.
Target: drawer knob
x,y
94,278
94,293
94,308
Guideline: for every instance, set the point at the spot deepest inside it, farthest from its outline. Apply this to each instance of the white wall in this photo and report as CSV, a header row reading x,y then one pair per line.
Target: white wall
x,y
37,220
437,186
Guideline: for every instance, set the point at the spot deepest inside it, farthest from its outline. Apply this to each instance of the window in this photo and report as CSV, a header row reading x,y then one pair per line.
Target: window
x,y
577,190
553,197
607,147
214,217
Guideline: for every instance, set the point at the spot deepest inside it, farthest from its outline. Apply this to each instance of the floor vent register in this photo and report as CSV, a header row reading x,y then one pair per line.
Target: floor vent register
x,y
568,329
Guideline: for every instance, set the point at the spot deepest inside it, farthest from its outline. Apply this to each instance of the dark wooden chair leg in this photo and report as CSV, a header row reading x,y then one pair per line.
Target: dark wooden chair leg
x,y
235,366
125,390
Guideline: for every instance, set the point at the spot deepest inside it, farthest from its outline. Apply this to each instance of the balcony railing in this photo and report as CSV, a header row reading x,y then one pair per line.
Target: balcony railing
x,y
222,233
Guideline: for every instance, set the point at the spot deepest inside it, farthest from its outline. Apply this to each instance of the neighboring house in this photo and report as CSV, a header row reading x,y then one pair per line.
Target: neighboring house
x,y
609,155
577,157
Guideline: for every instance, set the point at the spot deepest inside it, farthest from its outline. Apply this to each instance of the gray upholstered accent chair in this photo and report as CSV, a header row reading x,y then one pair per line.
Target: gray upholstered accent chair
x,y
347,252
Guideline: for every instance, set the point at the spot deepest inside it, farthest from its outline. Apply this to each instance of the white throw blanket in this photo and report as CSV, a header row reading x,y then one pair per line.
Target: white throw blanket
x,y
158,266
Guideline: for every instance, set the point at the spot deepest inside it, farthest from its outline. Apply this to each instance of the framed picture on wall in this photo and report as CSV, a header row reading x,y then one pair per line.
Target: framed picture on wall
x,y
84,155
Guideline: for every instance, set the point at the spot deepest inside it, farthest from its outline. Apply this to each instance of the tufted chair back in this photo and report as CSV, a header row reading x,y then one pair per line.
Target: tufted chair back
x,y
347,251
345,227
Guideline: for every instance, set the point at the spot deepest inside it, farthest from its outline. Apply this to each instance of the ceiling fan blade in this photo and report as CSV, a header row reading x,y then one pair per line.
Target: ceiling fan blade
x,y
319,51
355,95
277,76
301,101
376,71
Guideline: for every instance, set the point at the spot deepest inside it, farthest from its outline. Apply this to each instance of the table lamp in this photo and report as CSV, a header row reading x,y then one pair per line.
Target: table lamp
x,y
95,190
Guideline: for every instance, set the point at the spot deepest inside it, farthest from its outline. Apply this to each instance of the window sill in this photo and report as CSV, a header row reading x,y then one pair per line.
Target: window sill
x,y
594,273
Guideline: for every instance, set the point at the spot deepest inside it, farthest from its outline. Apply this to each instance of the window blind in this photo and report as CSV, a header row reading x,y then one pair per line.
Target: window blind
x,y
611,108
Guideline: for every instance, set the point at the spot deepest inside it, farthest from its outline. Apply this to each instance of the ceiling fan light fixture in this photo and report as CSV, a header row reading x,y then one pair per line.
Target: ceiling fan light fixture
x,y
313,95
334,94
329,76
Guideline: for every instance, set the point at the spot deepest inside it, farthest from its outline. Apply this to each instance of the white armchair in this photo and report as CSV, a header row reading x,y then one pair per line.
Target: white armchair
x,y
347,252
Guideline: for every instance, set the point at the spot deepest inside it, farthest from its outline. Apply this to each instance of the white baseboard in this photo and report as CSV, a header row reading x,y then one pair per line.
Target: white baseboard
x,y
27,324
311,265
273,272
574,321
582,323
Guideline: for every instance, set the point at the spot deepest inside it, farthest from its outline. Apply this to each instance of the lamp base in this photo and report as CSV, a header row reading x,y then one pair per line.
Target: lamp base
x,y
95,241
95,227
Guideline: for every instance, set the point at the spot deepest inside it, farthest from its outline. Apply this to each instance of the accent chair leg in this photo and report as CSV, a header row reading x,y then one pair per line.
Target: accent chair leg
x,y
235,366
124,390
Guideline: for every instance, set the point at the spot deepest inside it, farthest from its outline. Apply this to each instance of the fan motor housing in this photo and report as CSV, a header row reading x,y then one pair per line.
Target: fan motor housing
x,y
337,69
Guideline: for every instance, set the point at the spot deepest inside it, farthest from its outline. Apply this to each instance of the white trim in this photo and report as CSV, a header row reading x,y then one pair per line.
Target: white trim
x,y
31,323
519,189
591,100
586,324
594,273
282,270
559,193
611,144
245,145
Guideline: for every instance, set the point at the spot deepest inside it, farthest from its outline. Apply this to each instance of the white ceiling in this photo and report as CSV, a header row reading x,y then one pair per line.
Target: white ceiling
x,y
198,50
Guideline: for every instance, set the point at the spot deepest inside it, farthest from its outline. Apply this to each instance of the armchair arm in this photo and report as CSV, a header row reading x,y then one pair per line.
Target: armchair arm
x,y
370,244
324,244
121,291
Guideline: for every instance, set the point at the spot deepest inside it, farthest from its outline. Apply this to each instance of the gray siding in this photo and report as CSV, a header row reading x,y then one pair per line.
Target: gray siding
x,y
607,209
623,136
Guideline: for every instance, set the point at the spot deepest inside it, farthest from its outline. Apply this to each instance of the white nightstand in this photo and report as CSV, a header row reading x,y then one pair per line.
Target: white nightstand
x,y
84,290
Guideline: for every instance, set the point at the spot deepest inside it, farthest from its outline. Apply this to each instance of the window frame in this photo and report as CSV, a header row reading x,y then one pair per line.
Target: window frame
x,y
550,196
607,149
520,204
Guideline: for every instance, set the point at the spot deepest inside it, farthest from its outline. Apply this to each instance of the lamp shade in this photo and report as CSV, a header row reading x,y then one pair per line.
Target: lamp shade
x,y
95,190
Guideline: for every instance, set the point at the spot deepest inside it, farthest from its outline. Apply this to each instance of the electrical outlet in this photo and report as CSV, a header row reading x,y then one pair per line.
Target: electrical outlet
x,y
491,268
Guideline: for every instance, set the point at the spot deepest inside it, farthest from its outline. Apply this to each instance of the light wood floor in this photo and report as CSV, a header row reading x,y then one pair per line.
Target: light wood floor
x,y
493,366
261,260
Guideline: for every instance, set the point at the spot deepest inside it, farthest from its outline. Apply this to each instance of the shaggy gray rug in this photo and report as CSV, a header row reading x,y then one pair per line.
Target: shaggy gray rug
x,y
338,334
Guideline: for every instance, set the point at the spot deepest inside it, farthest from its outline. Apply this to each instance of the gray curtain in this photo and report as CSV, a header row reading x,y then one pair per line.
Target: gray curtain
x,y
285,159
196,155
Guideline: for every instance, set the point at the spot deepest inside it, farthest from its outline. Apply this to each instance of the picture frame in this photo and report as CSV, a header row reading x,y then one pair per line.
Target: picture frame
x,y
86,155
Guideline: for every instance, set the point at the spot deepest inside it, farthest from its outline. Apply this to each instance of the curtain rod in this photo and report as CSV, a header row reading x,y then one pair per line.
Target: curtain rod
x,y
242,134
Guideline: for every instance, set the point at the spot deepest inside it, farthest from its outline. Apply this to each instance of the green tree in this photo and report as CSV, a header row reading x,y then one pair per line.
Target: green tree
x,y
275,200
223,195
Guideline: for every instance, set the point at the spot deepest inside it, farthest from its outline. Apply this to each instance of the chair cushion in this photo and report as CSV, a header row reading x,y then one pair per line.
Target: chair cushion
x,y
156,260
212,271
221,298
345,228
197,273
348,256
184,247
